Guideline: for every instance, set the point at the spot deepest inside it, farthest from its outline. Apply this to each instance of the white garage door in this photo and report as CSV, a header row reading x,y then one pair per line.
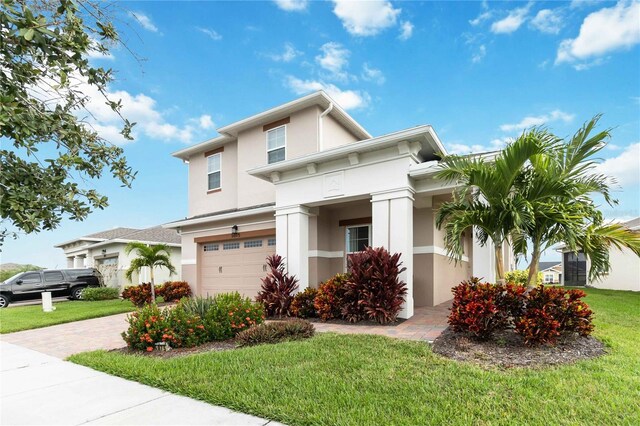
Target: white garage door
x,y
235,265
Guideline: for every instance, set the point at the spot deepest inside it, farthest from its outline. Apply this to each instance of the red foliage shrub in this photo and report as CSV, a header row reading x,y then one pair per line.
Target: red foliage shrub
x,y
302,304
551,311
139,294
329,299
374,290
482,308
277,288
172,291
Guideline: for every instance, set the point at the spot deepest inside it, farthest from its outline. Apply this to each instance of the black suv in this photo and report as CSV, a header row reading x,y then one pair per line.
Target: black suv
x,y
60,282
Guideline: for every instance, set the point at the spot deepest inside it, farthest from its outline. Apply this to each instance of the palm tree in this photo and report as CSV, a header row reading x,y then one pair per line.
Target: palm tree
x,y
158,255
558,185
485,199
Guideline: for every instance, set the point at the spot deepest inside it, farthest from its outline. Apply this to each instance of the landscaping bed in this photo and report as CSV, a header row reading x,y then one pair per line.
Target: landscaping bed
x,y
363,379
506,349
214,346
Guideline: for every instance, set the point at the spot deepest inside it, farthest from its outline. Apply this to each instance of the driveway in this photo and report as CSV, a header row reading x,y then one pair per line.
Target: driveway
x,y
40,389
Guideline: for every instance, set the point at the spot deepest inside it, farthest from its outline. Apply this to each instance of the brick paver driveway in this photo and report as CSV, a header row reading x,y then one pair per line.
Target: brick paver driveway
x,y
104,333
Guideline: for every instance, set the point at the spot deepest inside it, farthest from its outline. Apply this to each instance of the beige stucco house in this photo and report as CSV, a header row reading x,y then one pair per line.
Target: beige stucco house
x,y
106,251
551,272
624,273
305,180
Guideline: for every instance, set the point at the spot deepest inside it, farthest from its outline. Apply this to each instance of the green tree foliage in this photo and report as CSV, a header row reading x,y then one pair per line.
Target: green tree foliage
x,y
156,256
49,150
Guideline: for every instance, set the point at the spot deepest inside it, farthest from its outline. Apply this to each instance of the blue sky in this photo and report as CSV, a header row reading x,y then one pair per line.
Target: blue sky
x,y
479,72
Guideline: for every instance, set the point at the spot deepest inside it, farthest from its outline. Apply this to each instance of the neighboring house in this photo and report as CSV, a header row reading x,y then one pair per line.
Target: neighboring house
x,y
551,272
305,180
105,251
624,273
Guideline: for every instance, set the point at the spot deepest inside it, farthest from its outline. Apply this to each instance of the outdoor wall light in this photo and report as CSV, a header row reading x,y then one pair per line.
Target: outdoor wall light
x,y
234,230
104,251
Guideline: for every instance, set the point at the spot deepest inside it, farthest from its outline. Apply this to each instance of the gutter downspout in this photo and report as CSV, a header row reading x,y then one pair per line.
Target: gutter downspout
x,y
320,117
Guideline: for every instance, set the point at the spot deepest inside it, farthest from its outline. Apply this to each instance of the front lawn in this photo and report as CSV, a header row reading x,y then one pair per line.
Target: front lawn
x,y
340,379
27,317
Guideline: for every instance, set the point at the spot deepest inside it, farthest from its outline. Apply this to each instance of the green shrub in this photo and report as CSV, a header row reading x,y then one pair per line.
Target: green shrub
x,y
276,331
230,313
174,326
100,293
302,304
197,305
520,277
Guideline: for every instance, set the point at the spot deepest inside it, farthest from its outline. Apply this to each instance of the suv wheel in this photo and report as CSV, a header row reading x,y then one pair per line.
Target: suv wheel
x,y
76,293
4,301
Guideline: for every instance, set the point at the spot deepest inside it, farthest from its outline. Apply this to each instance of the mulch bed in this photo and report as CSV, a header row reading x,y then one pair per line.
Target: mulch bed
x,y
215,346
506,349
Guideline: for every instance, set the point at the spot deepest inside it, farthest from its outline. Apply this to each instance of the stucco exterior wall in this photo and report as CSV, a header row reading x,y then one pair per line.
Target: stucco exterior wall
x,y
624,274
334,134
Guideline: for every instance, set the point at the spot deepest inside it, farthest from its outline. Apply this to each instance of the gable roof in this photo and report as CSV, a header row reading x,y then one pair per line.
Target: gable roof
x,y
111,233
548,265
230,131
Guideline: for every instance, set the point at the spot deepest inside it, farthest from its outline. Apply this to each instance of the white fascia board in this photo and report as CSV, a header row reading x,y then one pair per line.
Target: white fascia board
x,y
78,239
316,98
216,218
185,153
123,241
343,151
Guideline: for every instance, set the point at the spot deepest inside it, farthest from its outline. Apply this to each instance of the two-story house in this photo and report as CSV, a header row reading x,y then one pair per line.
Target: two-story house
x,y
305,180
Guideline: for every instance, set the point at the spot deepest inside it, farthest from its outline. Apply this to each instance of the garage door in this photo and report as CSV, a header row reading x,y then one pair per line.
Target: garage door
x,y
234,265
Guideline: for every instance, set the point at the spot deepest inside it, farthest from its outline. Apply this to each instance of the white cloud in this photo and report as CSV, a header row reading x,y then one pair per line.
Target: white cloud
x,y
347,99
334,58
206,122
603,31
372,74
292,5
548,21
531,121
479,55
213,34
406,30
288,54
144,21
366,18
462,149
94,52
625,168
582,3
512,21
481,18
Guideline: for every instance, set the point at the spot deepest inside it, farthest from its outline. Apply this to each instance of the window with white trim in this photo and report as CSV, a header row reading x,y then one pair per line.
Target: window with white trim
x,y
230,246
210,247
548,278
271,242
214,171
276,144
357,238
253,244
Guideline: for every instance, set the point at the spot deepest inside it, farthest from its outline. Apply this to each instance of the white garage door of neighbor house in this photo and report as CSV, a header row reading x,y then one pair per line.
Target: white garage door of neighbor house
x,y
235,265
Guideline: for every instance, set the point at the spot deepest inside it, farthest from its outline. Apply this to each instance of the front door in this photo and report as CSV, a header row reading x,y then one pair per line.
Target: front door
x,y
575,269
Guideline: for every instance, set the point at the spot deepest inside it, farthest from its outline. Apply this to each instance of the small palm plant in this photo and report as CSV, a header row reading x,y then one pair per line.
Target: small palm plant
x,y
158,255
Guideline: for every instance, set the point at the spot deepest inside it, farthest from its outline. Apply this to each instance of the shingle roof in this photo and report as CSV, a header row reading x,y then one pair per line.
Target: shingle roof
x,y
112,233
157,234
633,223
547,265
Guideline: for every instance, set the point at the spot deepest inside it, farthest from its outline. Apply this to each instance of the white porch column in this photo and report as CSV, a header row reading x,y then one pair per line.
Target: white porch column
x,y
392,217
70,262
483,260
292,241
78,262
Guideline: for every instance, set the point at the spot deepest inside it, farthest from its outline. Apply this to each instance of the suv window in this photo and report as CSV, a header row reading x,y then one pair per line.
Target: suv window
x,y
31,278
53,276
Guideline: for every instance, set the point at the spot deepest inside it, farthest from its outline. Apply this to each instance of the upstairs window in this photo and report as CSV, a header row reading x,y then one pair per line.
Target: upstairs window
x,y
214,164
276,144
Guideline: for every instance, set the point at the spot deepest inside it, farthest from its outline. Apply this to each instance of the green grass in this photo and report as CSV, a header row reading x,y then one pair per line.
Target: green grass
x,y
343,380
27,317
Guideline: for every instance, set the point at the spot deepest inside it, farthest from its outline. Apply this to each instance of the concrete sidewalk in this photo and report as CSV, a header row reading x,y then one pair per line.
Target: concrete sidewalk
x,y
39,389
